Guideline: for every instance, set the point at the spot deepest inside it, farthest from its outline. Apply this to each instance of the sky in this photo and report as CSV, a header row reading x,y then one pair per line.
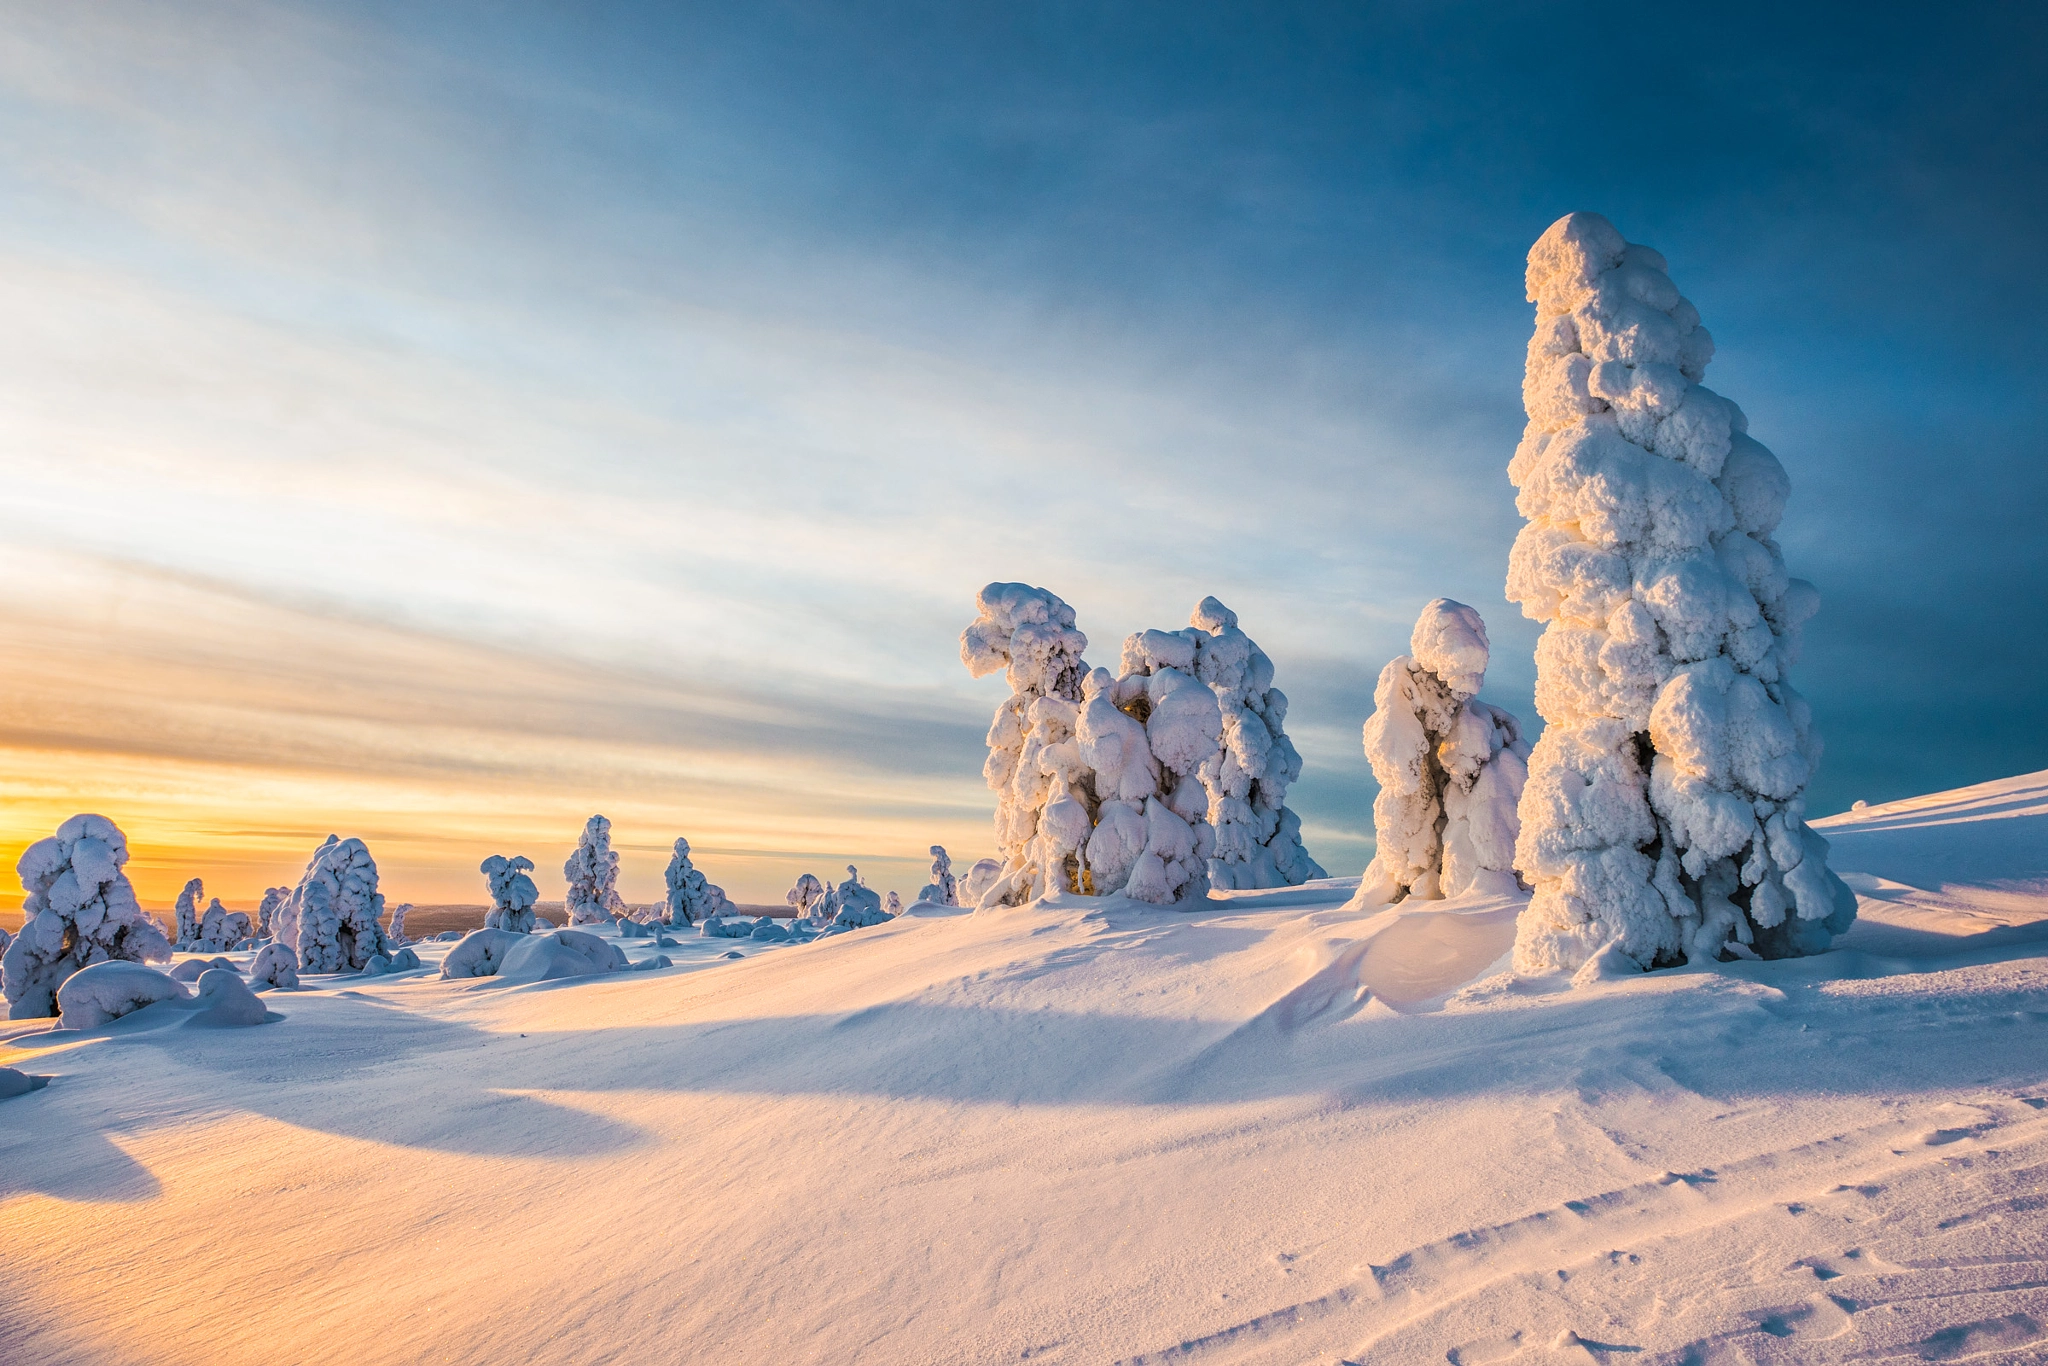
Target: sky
x,y
439,422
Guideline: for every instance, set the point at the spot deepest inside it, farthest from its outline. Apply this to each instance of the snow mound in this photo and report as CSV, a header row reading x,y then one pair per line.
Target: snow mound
x,y
17,1083
481,953
224,1001
593,876
1450,767
191,968
565,953
275,966
1665,808
80,910
104,992
729,926
400,960
943,889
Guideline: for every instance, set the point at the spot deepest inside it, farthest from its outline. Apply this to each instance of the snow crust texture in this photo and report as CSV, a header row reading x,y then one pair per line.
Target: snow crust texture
x,y
1158,782
80,910
690,897
330,920
513,893
1665,804
593,875
1451,768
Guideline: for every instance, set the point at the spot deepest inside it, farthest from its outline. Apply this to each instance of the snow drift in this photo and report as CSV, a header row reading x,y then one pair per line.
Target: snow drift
x,y
1665,807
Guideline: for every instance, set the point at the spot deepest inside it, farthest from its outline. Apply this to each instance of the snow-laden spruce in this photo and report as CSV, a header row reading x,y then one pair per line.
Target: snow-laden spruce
x,y
273,897
593,875
512,893
276,966
1450,767
186,912
330,920
806,894
852,905
690,897
396,933
943,889
1665,806
221,929
80,910
1155,784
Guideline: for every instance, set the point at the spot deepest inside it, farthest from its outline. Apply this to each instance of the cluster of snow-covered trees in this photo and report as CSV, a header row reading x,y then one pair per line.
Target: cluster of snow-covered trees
x,y
1157,782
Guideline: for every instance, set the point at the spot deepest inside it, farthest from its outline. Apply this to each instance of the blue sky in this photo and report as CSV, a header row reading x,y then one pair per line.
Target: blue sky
x,y
435,421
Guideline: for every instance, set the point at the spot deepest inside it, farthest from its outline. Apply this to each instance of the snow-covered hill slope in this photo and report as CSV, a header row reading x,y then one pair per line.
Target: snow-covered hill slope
x,y
1084,1131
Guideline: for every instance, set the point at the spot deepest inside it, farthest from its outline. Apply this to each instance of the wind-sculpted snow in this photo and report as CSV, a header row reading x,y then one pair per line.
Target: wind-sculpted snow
x,y
1153,784
690,897
593,876
512,893
104,992
330,920
564,953
1665,808
1450,767
80,910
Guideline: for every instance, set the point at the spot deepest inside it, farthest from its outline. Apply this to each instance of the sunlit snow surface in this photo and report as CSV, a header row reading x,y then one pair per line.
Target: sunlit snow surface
x,y
1084,1131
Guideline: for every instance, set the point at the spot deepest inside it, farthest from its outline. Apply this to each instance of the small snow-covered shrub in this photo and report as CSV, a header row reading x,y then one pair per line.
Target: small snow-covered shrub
x,y
853,904
690,897
104,992
943,889
512,893
481,953
187,913
273,897
330,918
565,953
1665,810
220,929
224,1001
766,930
728,926
80,911
400,960
1450,767
1155,783
275,966
979,879
593,874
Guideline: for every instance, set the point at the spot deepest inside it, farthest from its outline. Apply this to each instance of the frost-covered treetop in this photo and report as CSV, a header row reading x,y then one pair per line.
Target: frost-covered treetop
x,y
80,910
1029,633
592,872
1450,641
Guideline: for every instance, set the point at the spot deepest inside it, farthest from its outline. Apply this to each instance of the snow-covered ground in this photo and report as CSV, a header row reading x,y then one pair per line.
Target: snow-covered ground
x,y
1089,1131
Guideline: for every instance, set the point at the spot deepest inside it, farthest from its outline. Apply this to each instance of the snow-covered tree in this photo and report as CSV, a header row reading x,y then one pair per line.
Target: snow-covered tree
x,y
1450,767
807,893
980,877
221,929
80,910
275,966
187,913
690,897
1665,809
273,897
512,893
894,906
1151,784
852,904
330,920
942,890
396,934
593,874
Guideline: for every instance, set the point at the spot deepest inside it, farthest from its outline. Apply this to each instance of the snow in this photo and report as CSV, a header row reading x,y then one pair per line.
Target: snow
x,y
1665,806
273,898
186,913
1265,1128
512,893
80,910
1451,768
274,966
481,952
690,897
943,889
565,953
104,992
396,934
593,875
191,968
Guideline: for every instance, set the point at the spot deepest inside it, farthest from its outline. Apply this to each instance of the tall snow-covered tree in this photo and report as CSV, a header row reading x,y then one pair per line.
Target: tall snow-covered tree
x,y
943,889
1665,809
1450,767
513,893
806,894
331,919
273,897
186,912
221,929
396,934
690,897
593,874
80,910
